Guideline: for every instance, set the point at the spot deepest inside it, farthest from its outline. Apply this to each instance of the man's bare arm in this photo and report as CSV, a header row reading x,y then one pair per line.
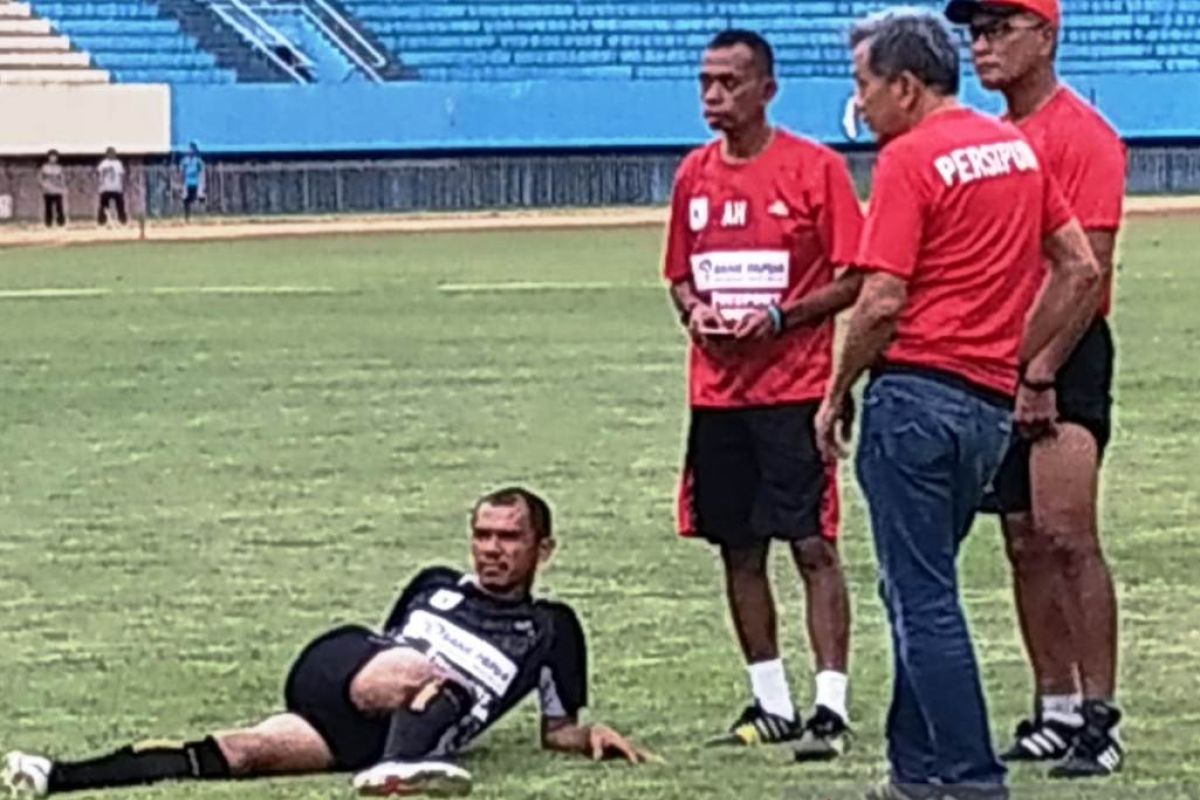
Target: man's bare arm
x,y
1065,307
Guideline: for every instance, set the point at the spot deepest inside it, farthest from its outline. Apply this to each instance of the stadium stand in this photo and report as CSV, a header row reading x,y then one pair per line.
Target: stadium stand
x,y
32,53
648,39
132,41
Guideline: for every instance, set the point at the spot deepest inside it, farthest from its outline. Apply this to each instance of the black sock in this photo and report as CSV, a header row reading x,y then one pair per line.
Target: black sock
x,y
142,763
413,735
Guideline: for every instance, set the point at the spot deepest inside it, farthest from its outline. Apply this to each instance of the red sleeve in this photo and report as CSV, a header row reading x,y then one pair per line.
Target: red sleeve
x,y
1100,162
1055,211
891,238
676,263
840,222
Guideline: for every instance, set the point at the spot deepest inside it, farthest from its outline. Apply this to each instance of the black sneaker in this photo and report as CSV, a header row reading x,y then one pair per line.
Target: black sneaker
x,y
824,737
1096,752
756,726
1041,740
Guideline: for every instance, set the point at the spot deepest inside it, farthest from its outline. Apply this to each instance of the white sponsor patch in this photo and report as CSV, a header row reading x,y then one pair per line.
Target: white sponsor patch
x,y
474,657
740,270
732,306
444,599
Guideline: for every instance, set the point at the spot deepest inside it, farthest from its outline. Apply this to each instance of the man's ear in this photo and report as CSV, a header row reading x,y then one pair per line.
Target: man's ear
x,y
546,548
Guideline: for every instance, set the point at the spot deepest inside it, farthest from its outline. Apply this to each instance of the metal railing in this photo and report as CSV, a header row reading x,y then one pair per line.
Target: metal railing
x,y
265,38
361,60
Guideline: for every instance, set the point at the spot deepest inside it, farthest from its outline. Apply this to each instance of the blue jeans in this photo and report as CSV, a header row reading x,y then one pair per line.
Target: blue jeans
x,y
926,451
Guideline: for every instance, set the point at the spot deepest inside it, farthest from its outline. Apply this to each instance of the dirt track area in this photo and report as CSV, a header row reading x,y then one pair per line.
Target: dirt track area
x,y
227,228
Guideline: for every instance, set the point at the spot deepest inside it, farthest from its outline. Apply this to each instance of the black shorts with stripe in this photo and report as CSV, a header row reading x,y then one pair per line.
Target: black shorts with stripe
x,y
1084,390
755,474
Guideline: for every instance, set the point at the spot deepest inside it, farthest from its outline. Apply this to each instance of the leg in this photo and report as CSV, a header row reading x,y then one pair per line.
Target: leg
x,y
101,215
751,604
725,483
119,199
828,605
282,744
390,680
1038,590
48,209
1065,478
910,458
59,215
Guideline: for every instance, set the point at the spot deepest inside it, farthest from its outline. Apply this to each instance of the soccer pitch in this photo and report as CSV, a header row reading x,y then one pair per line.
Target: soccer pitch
x,y
212,452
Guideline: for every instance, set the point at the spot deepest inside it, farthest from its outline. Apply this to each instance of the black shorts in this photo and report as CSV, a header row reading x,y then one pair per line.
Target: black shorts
x,y
318,689
1084,391
755,474
191,194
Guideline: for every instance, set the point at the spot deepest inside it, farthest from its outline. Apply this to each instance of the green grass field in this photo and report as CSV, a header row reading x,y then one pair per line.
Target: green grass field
x,y
195,483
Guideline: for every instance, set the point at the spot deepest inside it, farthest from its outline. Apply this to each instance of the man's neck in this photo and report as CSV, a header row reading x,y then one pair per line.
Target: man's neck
x,y
514,595
747,143
932,105
1029,93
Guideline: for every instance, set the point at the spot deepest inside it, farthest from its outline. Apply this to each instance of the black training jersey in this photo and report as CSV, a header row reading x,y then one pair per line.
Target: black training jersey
x,y
502,649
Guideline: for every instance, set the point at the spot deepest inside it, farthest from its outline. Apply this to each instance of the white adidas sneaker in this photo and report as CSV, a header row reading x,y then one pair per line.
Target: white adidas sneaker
x,y
25,775
409,778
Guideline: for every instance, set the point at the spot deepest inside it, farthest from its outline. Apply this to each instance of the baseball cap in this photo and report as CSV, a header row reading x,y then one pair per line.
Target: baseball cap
x,y
960,11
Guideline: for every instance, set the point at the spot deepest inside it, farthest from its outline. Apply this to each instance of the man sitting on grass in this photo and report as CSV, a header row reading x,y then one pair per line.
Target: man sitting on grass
x,y
456,653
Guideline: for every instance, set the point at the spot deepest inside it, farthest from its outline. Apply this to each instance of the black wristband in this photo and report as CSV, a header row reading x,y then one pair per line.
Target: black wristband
x,y
1037,386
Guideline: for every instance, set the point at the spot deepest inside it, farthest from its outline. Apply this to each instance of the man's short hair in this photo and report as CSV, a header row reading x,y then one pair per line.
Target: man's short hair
x,y
51,152
763,54
538,509
909,40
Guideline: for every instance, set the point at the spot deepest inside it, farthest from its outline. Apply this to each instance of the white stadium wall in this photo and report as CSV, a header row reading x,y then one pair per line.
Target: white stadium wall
x,y
84,120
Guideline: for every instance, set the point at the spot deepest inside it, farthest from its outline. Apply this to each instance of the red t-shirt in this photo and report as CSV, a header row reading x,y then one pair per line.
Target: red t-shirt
x,y
1086,157
749,234
958,211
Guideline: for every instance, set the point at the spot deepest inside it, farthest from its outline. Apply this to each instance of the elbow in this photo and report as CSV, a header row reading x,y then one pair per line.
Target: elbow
x,y
1087,282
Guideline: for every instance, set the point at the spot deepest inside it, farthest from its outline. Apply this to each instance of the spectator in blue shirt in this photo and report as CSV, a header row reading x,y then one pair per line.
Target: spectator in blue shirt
x,y
193,170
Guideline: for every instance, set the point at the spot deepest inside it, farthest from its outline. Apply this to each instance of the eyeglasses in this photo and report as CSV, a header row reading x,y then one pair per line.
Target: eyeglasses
x,y
1000,29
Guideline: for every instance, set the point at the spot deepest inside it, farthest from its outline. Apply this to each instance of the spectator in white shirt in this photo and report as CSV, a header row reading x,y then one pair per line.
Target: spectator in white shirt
x,y
112,186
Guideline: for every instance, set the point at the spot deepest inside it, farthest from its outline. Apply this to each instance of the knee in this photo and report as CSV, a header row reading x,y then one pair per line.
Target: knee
x,y
390,680
242,751
815,556
1026,548
1072,548
745,562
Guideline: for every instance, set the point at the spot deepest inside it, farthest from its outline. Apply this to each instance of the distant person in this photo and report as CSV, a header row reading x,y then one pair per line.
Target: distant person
x,y
112,187
194,173
54,188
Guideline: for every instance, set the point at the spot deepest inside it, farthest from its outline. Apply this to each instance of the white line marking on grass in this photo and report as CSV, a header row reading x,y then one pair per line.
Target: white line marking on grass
x,y
541,286
51,294
67,294
245,290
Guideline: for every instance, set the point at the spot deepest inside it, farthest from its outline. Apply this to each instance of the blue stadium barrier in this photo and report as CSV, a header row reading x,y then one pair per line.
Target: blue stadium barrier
x,y
580,113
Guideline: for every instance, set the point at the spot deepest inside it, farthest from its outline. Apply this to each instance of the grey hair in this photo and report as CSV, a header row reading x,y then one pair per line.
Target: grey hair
x,y
909,40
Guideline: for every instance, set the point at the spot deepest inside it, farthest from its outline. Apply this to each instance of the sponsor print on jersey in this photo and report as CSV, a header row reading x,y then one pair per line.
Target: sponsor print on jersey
x,y
474,657
732,306
736,270
968,164
445,599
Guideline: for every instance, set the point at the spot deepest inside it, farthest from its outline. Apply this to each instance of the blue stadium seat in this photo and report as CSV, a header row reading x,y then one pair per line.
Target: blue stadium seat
x,y
133,41
661,39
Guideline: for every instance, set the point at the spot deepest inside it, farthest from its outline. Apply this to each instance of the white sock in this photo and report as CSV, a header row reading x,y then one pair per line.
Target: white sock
x,y
1062,708
769,683
831,692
